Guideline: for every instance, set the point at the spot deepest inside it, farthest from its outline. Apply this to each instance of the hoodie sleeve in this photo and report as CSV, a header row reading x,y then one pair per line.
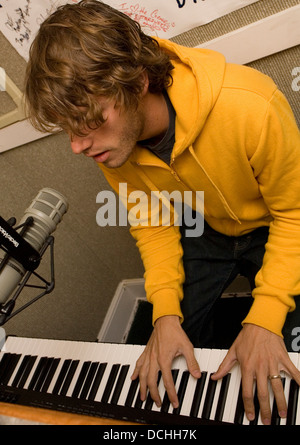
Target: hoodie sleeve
x,y
276,166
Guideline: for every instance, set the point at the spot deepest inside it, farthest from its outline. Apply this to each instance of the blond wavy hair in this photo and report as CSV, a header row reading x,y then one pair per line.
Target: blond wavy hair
x,y
84,51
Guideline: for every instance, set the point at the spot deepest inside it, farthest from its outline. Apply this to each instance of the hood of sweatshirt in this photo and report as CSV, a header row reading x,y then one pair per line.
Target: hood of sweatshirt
x,y
193,96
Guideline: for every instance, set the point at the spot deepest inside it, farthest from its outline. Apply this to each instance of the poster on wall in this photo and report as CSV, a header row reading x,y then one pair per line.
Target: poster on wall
x,y
20,19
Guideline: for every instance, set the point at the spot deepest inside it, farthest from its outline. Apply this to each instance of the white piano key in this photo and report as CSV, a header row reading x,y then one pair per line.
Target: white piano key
x,y
133,353
222,354
232,395
294,358
209,361
180,364
297,422
192,382
205,358
112,358
212,367
82,354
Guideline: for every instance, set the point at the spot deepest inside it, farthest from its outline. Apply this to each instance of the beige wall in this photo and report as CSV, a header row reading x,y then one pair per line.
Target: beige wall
x,y
89,260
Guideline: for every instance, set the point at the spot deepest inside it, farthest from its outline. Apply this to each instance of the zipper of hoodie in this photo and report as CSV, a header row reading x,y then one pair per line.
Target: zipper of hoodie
x,y
222,198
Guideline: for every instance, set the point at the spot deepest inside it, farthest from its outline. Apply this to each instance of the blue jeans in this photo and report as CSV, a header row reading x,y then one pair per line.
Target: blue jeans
x,y
211,262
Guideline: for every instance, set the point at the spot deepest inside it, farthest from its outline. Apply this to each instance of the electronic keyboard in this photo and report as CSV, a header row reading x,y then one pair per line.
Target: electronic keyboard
x,y
94,379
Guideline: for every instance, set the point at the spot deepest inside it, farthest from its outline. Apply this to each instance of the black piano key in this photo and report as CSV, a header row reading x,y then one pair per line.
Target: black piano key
x,y
27,371
7,366
97,381
239,410
222,398
69,377
256,408
81,378
292,403
50,374
21,370
275,418
166,402
34,380
61,377
181,390
131,392
43,374
110,382
4,364
138,401
89,380
149,401
119,384
198,395
209,398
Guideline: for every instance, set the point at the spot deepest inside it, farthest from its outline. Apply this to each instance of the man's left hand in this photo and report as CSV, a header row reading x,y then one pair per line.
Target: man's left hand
x,y
261,354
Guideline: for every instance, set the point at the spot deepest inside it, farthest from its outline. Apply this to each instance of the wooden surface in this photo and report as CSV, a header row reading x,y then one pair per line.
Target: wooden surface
x,y
49,417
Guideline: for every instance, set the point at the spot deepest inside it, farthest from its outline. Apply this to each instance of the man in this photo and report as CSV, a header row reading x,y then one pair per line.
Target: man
x,y
160,117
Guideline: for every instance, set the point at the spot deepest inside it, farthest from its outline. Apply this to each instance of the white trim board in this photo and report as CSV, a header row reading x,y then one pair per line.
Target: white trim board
x,y
252,42
17,134
259,39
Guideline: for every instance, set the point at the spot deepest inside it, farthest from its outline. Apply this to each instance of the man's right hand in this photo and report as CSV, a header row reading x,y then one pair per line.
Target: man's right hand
x,y
168,340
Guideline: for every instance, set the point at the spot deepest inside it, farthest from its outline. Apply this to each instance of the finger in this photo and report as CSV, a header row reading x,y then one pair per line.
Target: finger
x,y
247,393
152,383
170,387
139,363
226,365
192,364
278,391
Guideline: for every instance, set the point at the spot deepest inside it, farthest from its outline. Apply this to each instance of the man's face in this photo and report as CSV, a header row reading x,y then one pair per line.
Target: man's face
x,y
112,142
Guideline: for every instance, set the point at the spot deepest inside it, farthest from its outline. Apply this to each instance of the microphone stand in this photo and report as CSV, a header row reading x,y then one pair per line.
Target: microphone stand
x,y
7,308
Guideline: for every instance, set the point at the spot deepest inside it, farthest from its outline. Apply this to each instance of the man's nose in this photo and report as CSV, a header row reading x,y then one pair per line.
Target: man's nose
x,y
80,144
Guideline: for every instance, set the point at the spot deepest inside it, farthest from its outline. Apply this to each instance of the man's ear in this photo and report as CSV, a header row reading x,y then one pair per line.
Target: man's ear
x,y
144,79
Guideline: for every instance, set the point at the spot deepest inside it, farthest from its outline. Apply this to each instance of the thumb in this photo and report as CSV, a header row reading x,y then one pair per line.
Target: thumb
x,y
193,366
226,365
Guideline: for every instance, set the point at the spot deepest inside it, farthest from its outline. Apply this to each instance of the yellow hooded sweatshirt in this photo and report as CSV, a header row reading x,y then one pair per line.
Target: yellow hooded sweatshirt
x,y
236,139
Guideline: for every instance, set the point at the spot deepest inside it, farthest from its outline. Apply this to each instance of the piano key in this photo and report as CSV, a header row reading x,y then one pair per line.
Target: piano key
x,y
222,398
24,370
166,402
133,353
113,356
297,419
292,403
232,394
209,397
110,382
121,357
96,383
256,408
181,390
81,378
61,377
210,385
89,380
49,377
69,377
218,385
7,366
57,352
191,385
119,384
83,355
239,410
44,372
132,393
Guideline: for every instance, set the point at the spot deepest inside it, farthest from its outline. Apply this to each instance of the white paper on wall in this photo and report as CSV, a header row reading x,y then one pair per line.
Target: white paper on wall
x,y
20,19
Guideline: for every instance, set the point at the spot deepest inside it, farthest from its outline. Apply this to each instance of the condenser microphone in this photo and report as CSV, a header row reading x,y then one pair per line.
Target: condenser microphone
x,y
44,214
